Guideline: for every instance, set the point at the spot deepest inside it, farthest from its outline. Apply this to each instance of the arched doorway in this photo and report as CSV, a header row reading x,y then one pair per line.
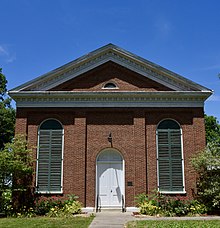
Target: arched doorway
x,y
110,178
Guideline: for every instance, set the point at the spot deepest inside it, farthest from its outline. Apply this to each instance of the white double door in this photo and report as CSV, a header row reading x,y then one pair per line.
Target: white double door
x,y
110,183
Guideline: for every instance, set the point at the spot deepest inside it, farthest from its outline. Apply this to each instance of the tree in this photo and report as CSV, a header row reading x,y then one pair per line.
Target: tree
x,y
207,165
16,168
7,114
212,128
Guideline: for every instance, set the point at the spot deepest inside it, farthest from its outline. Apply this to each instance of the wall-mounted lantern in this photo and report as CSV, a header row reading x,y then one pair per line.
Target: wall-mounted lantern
x,y
110,137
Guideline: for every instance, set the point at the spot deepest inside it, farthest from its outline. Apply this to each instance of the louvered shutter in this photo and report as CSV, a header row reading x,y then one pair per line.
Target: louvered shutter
x,y
170,160
56,160
49,172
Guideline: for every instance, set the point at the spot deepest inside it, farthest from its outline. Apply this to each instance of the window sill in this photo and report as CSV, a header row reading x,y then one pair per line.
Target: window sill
x,y
110,88
45,192
170,192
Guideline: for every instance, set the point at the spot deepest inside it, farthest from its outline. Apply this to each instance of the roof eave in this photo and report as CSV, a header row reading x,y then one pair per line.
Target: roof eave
x,y
178,94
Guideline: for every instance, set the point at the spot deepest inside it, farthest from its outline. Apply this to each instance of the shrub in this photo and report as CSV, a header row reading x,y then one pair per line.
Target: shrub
x,y
54,212
16,169
6,202
43,205
58,207
173,206
74,208
141,198
148,208
207,165
156,203
197,208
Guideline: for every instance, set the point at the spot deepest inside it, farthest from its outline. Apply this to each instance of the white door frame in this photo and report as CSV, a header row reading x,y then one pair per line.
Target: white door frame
x,y
123,173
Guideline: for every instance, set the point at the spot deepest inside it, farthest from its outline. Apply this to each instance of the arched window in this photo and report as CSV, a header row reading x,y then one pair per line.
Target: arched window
x,y
170,157
109,155
110,85
50,157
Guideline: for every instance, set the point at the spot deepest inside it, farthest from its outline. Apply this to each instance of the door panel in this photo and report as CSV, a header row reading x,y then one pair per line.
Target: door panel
x,y
110,183
116,184
103,174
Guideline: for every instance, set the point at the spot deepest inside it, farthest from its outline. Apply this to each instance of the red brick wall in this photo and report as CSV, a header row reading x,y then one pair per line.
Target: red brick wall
x,y
125,79
134,136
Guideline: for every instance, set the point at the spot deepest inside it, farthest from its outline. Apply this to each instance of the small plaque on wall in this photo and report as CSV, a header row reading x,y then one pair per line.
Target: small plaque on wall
x,y
129,183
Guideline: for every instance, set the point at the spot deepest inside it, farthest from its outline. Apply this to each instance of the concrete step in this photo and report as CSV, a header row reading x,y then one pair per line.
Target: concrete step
x,y
111,209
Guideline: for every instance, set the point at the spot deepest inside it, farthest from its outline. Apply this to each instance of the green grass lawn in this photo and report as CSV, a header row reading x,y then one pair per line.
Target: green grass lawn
x,y
176,224
44,222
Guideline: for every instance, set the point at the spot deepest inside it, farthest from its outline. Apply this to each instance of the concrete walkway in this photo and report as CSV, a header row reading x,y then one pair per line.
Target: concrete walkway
x,y
116,219
111,219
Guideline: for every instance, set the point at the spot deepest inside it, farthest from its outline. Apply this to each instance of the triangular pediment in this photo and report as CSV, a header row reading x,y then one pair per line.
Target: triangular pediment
x,y
120,77
137,83
114,54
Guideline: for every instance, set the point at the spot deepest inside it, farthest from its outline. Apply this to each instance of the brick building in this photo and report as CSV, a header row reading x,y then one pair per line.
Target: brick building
x,y
110,125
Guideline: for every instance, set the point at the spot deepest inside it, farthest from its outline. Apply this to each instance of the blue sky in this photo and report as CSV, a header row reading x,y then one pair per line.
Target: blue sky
x,y
180,35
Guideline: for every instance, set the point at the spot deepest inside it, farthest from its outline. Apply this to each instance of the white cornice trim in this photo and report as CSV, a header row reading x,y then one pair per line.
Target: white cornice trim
x,y
109,99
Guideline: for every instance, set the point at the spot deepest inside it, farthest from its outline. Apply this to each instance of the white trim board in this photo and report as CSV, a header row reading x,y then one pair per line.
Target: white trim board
x,y
109,99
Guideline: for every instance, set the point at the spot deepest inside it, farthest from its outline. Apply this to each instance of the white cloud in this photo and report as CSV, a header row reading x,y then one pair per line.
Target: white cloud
x,y
6,55
11,58
3,51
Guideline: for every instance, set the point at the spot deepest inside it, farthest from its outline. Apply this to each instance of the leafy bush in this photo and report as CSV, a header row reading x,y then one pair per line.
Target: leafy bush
x,y
67,211
148,208
156,203
58,206
141,198
197,208
16,169
73,208
173,206
54,212
207,165
24,213
6,201
43,205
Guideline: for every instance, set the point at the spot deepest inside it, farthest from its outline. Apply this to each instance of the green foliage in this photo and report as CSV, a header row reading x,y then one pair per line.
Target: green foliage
x,y
58,206
197,207
68,210
73,208
16,161
16,172
6,201
7,114
207,165
148,208
212,128
158,204
3,83
174,206
43,205
141,198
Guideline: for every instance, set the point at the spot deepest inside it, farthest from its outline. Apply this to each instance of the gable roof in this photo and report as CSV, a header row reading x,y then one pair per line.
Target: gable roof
x,y
110,52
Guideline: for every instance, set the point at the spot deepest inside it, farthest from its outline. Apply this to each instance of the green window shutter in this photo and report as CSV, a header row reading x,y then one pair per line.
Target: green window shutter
x,y
170,160
43,161
49,161
56,160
